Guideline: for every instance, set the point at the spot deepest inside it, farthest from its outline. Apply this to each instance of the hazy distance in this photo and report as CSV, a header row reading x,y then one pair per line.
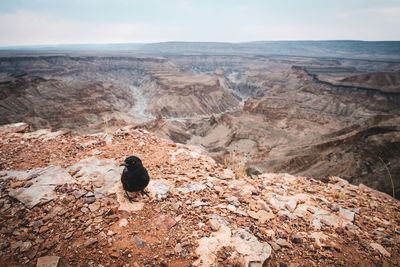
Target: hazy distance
x,y
46,22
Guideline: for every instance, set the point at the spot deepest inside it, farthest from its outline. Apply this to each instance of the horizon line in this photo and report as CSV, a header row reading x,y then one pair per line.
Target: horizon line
x,y
174,41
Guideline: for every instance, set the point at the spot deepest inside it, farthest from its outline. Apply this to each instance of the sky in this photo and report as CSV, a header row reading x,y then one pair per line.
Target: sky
x,y
50,22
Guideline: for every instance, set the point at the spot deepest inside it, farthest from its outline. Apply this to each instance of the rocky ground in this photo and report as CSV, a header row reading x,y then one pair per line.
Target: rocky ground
x,y
61,203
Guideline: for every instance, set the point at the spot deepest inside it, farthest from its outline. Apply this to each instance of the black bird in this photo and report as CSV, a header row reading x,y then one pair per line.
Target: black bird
x,y
135,177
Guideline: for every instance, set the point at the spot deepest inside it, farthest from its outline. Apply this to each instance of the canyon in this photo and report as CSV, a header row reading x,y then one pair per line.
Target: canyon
x,y
259,154
289,110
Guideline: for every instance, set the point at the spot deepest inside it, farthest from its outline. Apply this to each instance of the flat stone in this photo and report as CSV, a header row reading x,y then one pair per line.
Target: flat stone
x,y
233,200
249,249
178,248
380,249
43,134
198,203
214,224
231,208
253,251
25,246
43,185
304,210
102,235
110,233
274,245
261,215
49,244
102,174
159,188
14,245
187,188
285,202
268,232
109,138
114,255
123,222
44,229
346,214
333,207
325,217
94,207
37,224
90,200
287,213
219,218
209,245
48,261
165,222
84,209
283,243
19,127
321,239
34,195
227,175
78,193
69,235
140,243
124,203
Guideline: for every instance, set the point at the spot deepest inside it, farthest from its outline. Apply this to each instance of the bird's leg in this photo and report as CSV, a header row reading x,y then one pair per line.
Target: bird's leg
x,y
144,192
129,198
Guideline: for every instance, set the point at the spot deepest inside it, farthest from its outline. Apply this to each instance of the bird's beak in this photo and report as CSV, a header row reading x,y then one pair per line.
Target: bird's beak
x,y
123,164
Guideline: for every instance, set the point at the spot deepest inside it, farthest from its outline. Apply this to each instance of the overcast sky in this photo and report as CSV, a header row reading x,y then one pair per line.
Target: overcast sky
x,y
43,22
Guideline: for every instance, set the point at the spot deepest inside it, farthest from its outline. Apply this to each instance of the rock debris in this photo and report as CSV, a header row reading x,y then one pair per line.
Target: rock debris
x,y
61,205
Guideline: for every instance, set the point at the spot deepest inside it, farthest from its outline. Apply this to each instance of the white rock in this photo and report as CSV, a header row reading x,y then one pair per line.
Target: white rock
x,y
288,214
261,215
249,249
43,134
187,188
283,243
103,174
346,214
198,203
123,222
159,187
14,128
325,217
109,138
214,224
43,185
231,208
320,238
381,249
209,245
253,251
48,261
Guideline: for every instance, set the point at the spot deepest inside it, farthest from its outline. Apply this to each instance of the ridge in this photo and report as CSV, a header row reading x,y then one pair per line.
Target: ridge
x,y
61,201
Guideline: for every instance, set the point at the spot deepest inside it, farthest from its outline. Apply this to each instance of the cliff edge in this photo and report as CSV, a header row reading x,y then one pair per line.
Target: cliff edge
x,y
62,204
